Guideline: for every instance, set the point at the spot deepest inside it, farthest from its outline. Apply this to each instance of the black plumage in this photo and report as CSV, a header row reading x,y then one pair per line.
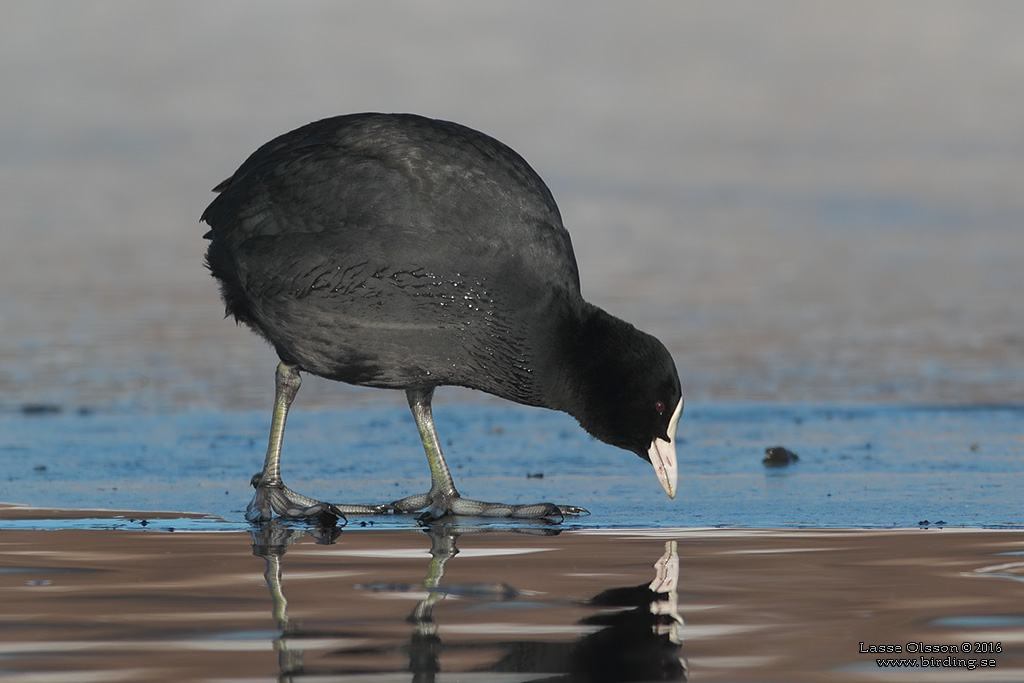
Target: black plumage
x,y
400,252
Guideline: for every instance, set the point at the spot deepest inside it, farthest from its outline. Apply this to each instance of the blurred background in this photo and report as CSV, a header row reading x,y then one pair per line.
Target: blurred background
x,y
807,202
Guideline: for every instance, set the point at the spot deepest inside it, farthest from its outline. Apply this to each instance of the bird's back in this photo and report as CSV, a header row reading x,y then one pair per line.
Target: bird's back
x,y
393,249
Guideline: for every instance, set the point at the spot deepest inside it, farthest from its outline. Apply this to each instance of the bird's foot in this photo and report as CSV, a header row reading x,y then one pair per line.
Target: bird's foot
x,y
436,506
277,498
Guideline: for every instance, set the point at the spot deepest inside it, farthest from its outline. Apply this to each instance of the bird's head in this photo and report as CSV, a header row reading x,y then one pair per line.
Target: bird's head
x,y
631,396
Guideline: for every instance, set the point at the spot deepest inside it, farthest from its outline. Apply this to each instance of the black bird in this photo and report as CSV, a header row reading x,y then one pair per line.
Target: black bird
x,y
401,252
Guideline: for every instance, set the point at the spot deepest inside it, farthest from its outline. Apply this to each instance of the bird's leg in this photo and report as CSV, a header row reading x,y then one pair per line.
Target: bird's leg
x,y
443,499
271,494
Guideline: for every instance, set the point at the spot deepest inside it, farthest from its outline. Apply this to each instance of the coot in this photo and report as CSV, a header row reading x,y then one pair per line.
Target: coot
x,y
401,252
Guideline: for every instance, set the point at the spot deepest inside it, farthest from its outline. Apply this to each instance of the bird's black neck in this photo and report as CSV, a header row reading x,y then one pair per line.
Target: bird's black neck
x,y
584,373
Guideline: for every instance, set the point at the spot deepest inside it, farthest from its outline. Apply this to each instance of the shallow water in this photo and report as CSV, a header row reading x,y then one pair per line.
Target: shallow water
x,y
470,604
860,466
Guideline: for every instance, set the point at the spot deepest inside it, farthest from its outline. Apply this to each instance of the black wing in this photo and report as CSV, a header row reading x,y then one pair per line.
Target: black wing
x,y
394,180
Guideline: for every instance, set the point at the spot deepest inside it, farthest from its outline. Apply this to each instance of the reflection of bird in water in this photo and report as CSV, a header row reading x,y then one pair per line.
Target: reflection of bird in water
x,y
399,252
639,641
270,542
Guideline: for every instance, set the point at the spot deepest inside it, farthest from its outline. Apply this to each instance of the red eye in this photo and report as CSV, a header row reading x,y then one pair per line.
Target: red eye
x,y
659,406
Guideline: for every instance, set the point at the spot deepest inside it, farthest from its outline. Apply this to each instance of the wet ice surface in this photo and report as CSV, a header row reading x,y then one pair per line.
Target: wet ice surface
x,y
859,466
469,604
141,595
